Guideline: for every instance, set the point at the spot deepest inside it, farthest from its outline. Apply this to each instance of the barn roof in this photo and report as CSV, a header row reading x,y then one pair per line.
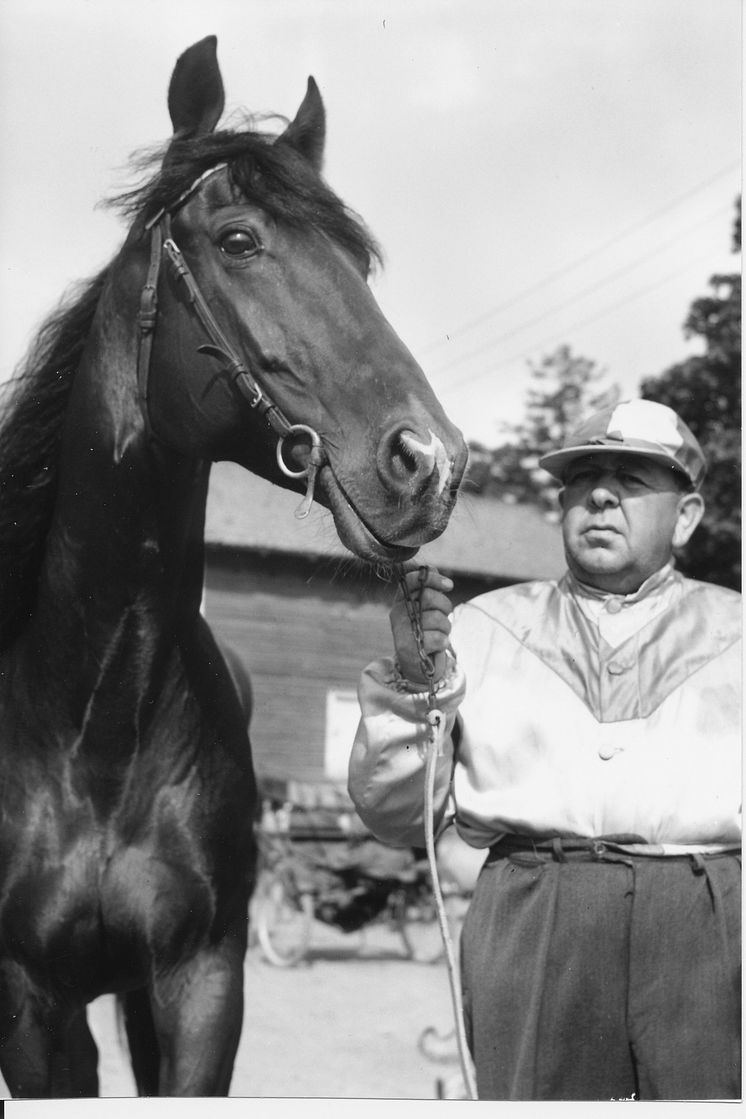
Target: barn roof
x,y
484,537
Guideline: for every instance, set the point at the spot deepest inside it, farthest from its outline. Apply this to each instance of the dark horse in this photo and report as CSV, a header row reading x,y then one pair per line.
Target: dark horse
x,y
235,323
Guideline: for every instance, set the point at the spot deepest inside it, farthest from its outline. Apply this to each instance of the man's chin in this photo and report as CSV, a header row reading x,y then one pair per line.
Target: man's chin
x,y
601,568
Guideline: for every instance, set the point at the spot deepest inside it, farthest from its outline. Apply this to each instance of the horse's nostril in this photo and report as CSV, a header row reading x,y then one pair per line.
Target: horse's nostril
x,y
404,456
399,463
408,459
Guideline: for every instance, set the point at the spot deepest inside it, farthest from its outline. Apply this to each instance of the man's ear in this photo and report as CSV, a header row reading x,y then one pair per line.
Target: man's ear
x,y
561,498
691,511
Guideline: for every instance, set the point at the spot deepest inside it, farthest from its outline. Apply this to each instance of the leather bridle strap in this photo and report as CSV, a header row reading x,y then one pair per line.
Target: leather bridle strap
x,y
146,321
218,346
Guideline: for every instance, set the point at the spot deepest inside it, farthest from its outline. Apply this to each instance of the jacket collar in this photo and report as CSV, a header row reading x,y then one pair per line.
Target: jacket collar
x,y
655,584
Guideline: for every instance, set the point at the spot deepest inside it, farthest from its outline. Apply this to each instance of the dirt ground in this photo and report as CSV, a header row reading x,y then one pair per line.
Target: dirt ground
x,y
343,1024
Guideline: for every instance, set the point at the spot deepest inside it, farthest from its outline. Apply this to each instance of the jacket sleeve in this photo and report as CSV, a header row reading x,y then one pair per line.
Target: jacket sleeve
x,y
389,754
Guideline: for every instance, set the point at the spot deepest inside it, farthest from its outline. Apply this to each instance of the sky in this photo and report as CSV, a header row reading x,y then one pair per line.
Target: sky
x,y
538,172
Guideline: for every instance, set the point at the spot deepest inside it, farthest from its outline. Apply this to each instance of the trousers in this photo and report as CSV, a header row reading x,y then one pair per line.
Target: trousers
x,y
591,974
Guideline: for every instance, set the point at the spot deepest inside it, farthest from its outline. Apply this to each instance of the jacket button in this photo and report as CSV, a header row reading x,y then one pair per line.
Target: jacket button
x,y
614,668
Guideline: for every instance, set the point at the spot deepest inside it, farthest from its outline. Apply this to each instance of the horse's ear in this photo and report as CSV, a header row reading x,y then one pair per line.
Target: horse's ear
x,y
195,93
307,132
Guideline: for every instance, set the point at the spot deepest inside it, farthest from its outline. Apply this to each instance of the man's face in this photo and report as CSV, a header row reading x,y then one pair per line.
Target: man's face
x,y
621,516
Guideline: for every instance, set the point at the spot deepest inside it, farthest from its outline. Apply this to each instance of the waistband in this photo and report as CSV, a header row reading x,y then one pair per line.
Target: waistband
x,y
561,849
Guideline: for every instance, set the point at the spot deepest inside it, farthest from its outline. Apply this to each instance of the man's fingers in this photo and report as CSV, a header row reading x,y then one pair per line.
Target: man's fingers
x,y
432,579
433,610
434,600
436,620
429,590
435,642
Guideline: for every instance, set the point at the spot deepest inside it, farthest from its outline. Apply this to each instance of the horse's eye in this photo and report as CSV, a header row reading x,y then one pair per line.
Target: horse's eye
x,y
240,243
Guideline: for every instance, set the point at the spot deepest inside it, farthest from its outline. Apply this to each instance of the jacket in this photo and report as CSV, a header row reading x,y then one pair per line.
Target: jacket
x,y
582,714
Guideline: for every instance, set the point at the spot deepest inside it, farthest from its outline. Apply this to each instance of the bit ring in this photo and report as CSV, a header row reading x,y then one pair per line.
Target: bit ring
x,y
295,429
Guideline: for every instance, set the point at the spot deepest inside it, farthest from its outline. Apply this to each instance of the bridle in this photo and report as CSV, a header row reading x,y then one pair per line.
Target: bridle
x,y
218,346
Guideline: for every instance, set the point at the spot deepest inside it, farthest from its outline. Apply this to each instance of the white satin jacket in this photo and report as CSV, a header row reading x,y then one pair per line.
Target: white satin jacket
x,y
582,714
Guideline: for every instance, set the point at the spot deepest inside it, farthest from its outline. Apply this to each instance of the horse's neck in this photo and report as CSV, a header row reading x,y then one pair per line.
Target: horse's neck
x,y
124,562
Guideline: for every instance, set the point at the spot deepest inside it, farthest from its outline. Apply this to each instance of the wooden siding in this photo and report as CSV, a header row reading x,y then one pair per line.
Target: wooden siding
x,y
298,636
484,538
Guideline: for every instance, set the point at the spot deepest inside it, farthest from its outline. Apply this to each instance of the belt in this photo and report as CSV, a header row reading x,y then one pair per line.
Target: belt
x,y
560,849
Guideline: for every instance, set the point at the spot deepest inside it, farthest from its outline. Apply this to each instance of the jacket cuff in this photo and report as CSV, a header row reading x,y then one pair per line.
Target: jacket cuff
x,y
400,683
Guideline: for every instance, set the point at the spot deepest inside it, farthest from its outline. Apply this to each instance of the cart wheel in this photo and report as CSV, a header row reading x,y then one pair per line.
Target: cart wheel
x,y
418,926
416,922
283,922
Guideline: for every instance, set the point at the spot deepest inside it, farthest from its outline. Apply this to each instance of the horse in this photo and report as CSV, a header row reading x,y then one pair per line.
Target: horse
x,y
236,322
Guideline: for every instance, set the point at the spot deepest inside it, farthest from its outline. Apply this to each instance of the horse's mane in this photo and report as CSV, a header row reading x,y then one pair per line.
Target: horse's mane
x,y
269,174
34,403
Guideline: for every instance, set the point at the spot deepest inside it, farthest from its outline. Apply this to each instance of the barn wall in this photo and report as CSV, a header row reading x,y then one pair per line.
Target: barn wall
x,y
303,628
300,635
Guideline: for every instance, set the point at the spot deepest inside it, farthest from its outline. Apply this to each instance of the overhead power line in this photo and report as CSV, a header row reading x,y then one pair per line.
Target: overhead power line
x,y
557,335
564,269
492,343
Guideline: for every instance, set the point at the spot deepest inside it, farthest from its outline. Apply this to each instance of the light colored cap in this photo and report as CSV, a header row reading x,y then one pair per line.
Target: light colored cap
x,y
639,427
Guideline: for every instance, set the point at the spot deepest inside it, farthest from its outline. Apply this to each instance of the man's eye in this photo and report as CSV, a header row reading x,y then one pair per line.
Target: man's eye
x,y
631,479
240,244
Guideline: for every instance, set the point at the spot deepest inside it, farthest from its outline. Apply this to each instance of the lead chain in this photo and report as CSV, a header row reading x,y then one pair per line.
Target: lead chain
x,y
414,613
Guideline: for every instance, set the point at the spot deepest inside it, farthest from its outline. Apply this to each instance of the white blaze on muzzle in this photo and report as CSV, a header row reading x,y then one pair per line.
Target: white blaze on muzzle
x,y
434,455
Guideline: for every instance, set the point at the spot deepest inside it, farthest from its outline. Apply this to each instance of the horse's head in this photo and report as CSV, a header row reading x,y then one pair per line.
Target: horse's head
x,y
267,330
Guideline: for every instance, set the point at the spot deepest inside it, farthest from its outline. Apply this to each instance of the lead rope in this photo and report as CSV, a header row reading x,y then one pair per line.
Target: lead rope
x,y
435,717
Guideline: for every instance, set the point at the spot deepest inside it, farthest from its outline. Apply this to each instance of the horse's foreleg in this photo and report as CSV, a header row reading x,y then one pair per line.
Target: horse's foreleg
x,y
45,1051
198,1014
75,1062
143,1044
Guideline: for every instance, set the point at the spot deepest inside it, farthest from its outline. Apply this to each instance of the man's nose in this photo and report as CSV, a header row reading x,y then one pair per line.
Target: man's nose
x,y
604,496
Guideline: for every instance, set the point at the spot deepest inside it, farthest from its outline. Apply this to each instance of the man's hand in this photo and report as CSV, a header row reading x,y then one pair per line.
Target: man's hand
x,y
433,606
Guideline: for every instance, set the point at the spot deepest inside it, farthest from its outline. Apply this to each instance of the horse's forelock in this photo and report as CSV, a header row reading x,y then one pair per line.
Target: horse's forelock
x,y
266,172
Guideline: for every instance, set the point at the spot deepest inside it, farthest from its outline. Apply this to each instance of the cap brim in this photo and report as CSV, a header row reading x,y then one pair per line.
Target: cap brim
x,y
556,462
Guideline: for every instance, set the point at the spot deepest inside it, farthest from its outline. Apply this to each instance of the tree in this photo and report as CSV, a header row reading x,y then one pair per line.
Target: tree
x,y
705,390
564,387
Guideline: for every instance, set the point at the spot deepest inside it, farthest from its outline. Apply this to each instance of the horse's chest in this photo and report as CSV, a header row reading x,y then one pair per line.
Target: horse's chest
x,y
48,902
75,892
117,853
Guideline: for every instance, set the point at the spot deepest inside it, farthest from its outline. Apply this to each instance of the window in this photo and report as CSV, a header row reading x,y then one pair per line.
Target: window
x,y
342,718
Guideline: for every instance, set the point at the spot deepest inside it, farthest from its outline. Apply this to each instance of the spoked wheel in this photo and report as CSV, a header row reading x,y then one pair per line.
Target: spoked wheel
x,y
283,922
416,921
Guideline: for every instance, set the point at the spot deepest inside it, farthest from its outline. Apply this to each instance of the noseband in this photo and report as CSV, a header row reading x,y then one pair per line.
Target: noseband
x,y
219,346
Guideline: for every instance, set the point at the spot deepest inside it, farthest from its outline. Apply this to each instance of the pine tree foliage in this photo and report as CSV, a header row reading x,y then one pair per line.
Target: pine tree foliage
x,y
705,390
563,388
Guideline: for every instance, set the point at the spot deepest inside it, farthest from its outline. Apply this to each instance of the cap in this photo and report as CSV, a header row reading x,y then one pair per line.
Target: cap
x,y
640,427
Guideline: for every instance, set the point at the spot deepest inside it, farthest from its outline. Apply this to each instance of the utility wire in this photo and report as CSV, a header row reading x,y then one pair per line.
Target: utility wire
x,y
564,332
591,288
552,276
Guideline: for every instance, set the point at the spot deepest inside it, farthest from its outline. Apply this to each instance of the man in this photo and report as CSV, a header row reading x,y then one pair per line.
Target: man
x,y
597,722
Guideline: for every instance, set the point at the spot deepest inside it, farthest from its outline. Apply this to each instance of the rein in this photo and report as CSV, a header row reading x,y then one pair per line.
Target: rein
x,y
435,718
218,345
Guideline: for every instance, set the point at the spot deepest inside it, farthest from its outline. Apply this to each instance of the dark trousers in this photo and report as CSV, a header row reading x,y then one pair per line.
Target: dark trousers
x,y
598,976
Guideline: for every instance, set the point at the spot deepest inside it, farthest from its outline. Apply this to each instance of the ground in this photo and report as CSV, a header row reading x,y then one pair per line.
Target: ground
x,y
344,1024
